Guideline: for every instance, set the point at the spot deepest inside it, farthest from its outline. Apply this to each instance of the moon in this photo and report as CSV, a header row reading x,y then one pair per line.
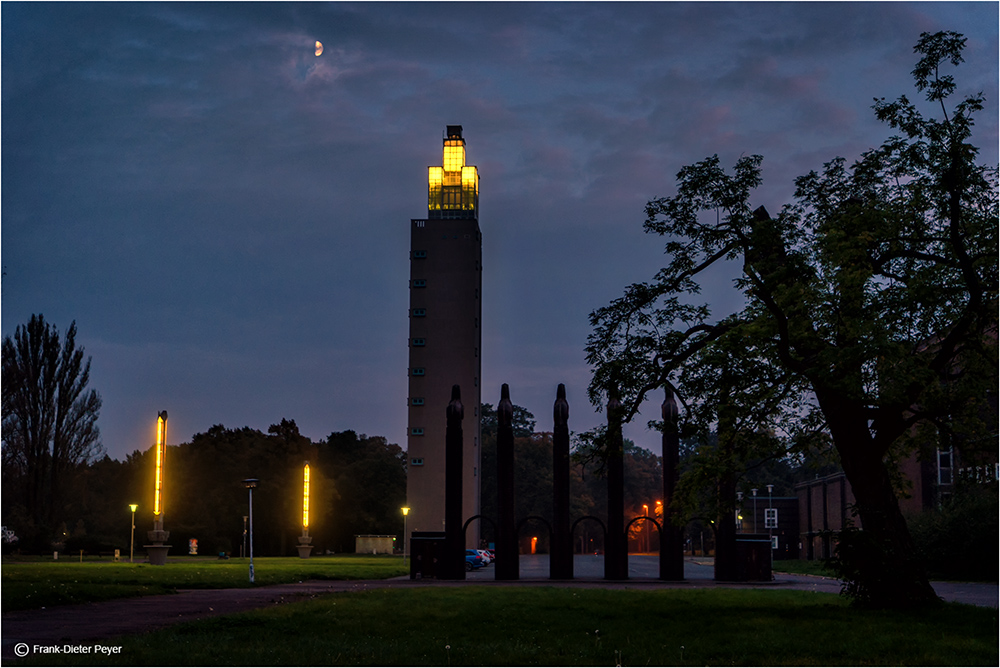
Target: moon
x,y
319,48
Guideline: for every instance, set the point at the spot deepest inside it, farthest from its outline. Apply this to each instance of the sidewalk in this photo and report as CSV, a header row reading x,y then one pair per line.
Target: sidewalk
x,y
75,624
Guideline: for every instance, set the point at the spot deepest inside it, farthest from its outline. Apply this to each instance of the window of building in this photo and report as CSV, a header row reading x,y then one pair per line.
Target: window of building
x,y
418,371
420,342
417,461
417,401
770,518
419,223
417,431
419,255
419,312
420,282
944,466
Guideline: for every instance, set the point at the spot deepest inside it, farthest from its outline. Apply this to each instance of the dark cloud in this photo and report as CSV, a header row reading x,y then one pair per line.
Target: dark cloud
x,y
225,215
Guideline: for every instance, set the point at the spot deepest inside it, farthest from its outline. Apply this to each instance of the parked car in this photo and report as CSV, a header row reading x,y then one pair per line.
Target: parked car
x,y
473,560
492,553
486,557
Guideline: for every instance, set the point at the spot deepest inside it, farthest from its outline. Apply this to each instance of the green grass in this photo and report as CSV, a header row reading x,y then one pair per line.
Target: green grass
x,y
44,584
479,625
802,567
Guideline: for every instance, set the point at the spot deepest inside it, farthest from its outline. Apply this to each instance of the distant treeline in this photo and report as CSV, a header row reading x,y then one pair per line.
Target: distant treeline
x,y
358,484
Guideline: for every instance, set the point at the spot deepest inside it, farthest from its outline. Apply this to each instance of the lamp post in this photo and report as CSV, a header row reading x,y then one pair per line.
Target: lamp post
x,y
658,512
739,511
305,540
754,490
645,527
406,511
131,546
156,550
768,521
250,483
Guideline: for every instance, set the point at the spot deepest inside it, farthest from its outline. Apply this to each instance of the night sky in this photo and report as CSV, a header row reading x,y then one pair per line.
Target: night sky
x,y
225,215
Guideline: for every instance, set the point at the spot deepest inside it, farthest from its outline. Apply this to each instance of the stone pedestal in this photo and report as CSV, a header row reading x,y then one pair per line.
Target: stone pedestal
x,y
304,548
157,551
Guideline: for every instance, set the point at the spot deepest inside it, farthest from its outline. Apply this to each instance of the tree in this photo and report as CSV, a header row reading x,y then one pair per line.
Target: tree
x,y
870,310
369,478
49,416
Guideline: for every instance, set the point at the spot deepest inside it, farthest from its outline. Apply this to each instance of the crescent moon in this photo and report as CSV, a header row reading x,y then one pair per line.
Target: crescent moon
x,y
319,48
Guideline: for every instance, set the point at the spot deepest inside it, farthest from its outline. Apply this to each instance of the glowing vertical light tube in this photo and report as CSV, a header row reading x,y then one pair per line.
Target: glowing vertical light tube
x,y
161,439
305,498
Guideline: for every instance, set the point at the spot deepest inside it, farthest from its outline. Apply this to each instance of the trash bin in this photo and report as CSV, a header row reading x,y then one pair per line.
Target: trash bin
x,y
426,552
753,557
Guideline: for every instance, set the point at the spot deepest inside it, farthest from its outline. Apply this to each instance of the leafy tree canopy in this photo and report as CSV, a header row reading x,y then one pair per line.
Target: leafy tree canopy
x,y
870,307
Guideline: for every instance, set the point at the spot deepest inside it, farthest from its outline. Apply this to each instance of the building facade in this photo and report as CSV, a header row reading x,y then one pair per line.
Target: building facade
x,y
445,337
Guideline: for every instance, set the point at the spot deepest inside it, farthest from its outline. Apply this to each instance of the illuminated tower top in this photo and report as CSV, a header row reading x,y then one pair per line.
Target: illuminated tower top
x,y
453,187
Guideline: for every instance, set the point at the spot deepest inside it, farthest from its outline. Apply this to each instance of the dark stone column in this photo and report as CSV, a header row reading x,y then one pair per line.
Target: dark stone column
x,y
726,565
615,544
454,537
561,559
507,565
671,539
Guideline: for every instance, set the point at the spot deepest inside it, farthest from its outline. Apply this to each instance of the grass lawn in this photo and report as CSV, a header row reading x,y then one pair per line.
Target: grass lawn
x,y
28,585
802,567
521,626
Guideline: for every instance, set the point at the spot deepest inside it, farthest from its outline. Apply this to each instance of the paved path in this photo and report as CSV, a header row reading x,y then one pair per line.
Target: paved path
x,y
90,623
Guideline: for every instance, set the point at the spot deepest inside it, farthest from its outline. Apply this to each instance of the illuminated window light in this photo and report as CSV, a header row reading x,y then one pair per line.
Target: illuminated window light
x,y
453,158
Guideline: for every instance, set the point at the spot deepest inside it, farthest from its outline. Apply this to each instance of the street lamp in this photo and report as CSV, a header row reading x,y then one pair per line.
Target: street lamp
x,y
754,490
658,512
645,526
250,483
739,510
131,548
769,521
406,511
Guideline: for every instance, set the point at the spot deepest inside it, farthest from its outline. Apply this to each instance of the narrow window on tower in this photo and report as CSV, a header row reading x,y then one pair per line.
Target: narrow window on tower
x,y
417,431
417,401
418,371
417,461
419,312
421,283
419,255
419,342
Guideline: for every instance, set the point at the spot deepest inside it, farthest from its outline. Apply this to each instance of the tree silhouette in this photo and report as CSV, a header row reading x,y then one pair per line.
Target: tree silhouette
x,y
870,311
49,417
